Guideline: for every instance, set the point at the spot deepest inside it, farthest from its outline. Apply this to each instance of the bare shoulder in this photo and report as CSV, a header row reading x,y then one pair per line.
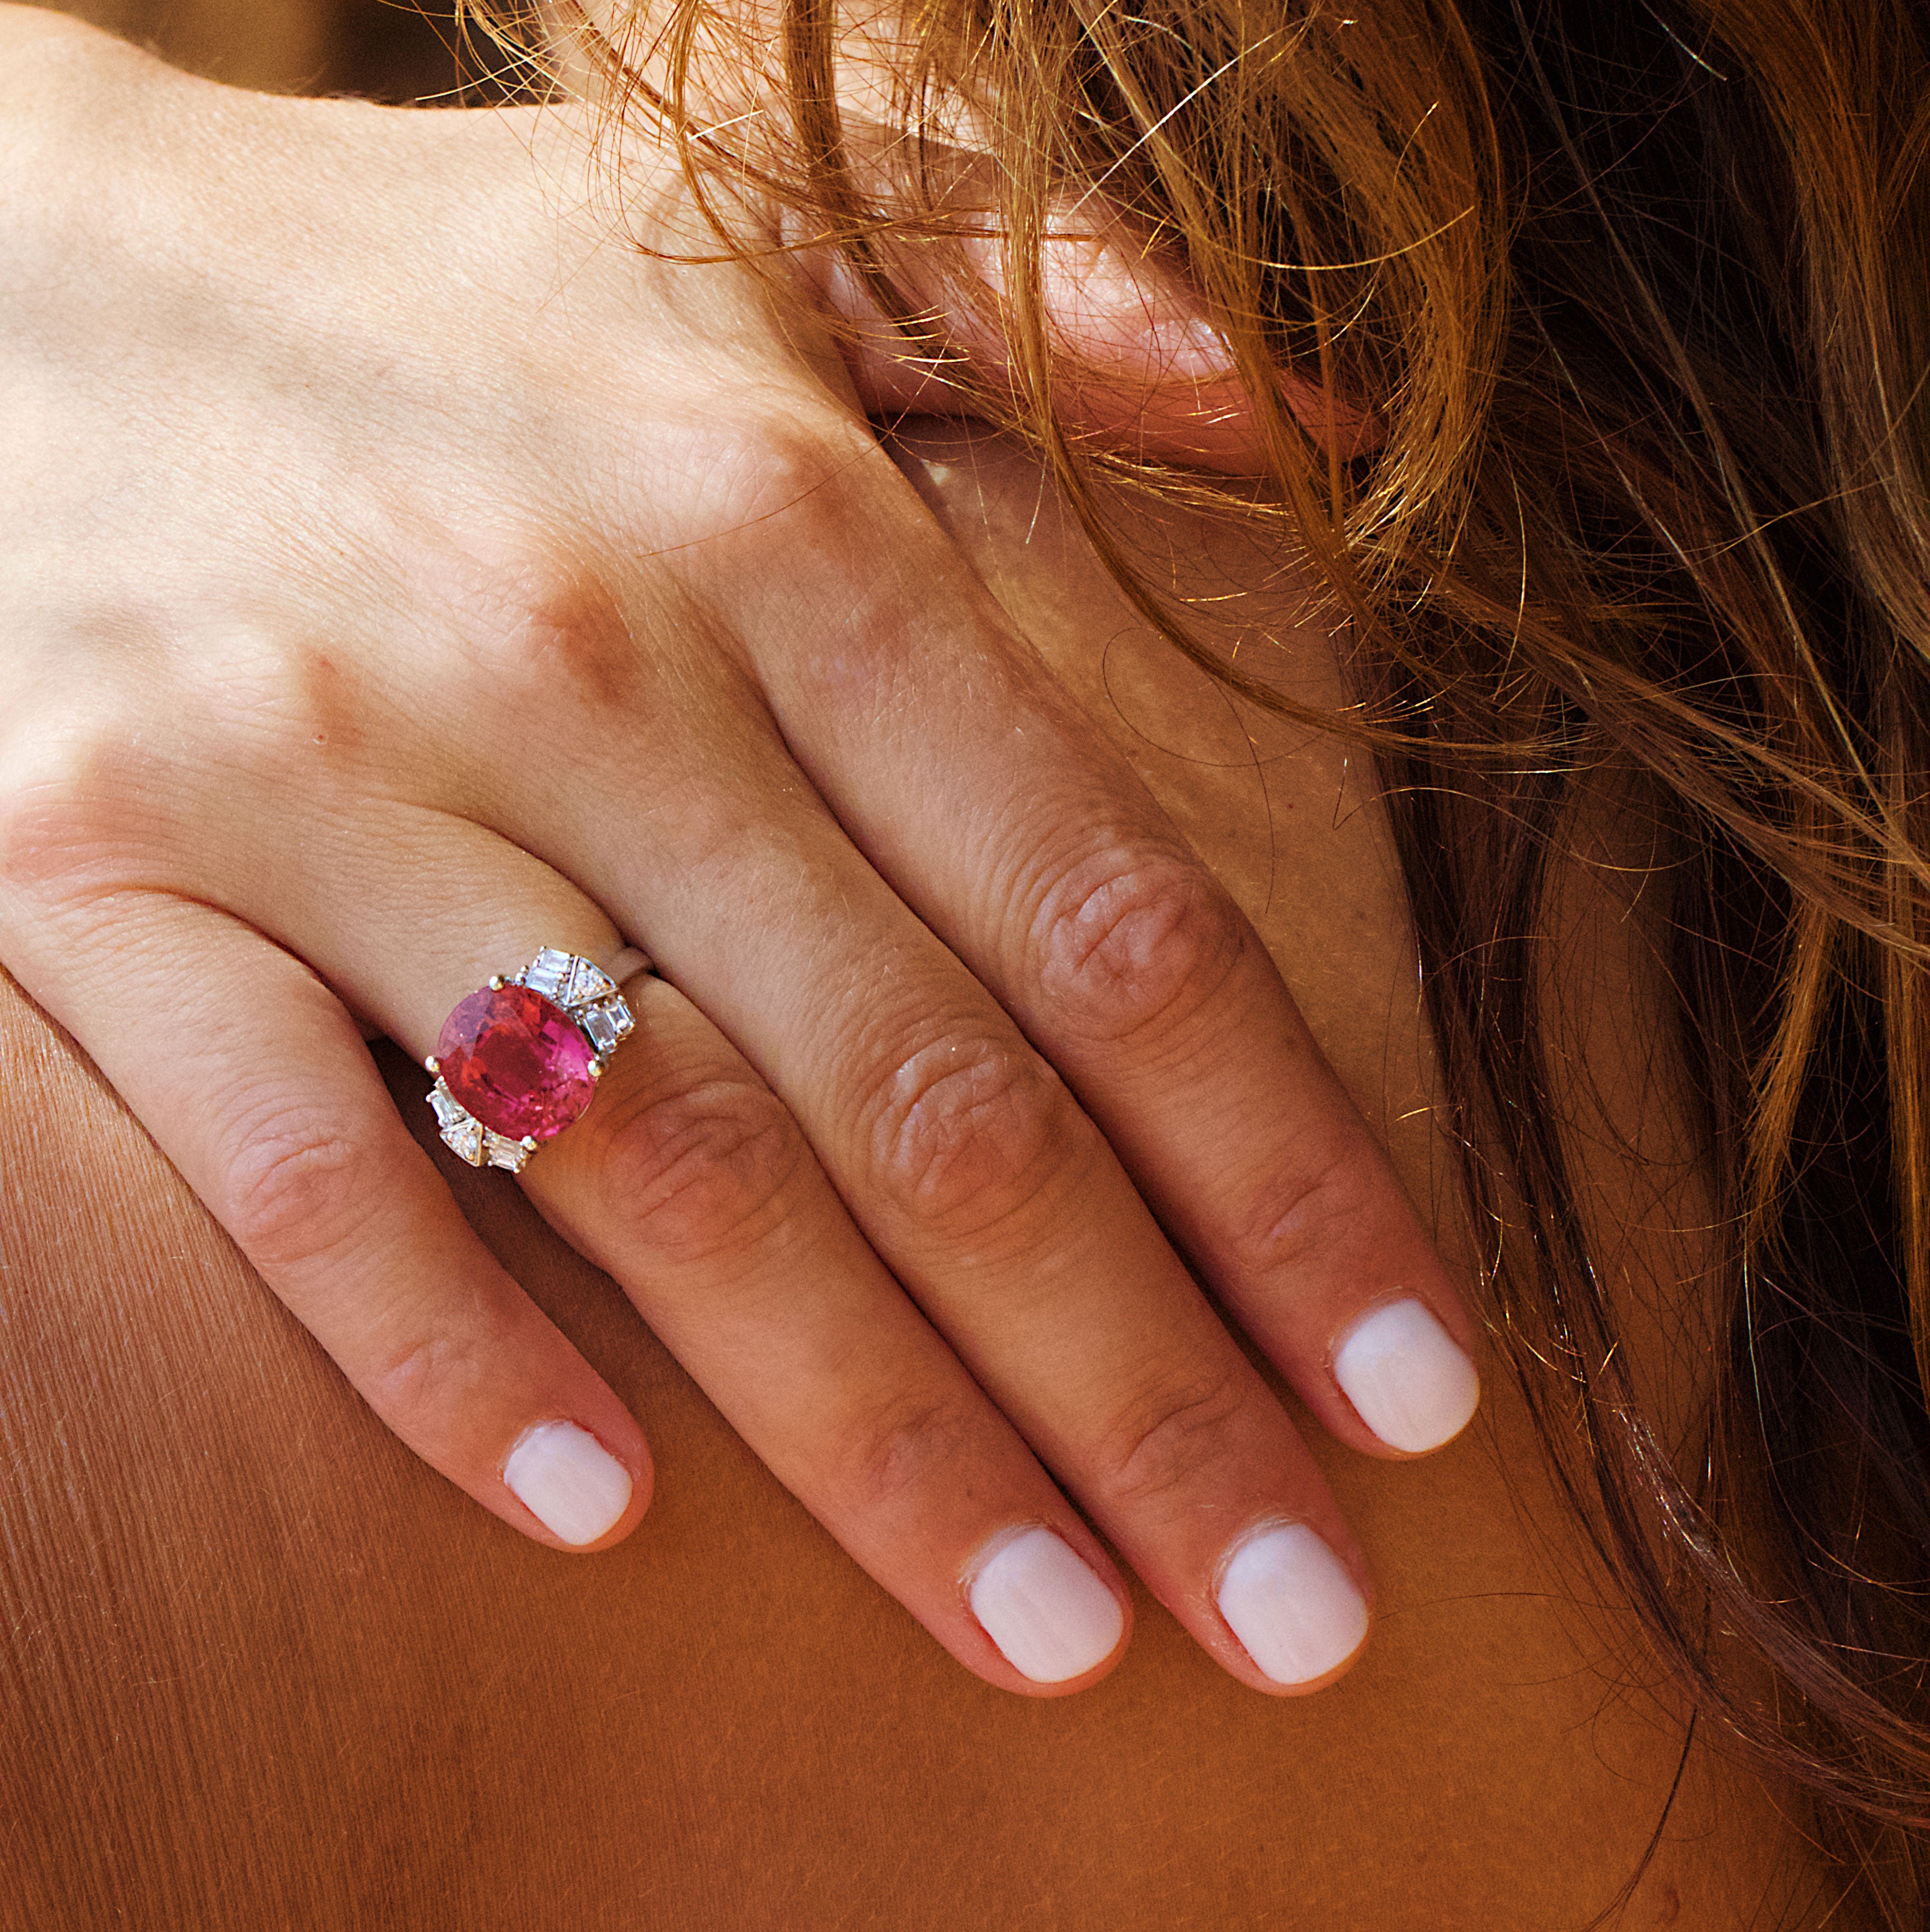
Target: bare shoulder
x,y
268,1670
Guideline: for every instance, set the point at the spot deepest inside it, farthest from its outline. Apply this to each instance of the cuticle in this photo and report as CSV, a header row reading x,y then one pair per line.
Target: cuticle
x,y
1259,1526
999,1539
1374,1307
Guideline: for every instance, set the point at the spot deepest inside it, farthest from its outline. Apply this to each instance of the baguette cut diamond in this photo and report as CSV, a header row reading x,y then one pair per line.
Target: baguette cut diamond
x,y
548,973
606,1025
511,1155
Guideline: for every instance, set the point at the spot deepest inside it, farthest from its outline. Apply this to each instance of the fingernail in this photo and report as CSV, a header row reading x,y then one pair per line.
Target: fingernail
x,y
1200,349
1406,1380
1289,1601
1050,1616
566,1479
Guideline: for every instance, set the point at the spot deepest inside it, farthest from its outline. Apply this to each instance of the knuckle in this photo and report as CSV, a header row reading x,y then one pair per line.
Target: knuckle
x,y
1321,1208
783,471
892,1455
69,817
705,1170
783,459
1138,942
419,1387
966,1130
1172,1435
297,1187
545,631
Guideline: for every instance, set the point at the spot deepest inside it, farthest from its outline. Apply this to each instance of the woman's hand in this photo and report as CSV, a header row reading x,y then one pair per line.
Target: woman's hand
x,y
402,574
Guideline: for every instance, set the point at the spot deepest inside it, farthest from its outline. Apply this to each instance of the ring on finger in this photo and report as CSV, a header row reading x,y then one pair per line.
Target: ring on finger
x,y
517,1061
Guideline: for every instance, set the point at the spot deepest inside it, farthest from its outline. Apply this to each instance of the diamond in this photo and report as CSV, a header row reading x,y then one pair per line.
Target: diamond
x,y
517,1062
585,984
546,974
510,1154
464,1139
607,1024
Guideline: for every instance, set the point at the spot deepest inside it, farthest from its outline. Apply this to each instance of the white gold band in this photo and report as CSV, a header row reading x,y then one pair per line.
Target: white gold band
x,y
627,964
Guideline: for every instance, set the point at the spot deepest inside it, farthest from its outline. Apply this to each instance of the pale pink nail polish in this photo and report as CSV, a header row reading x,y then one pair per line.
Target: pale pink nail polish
x,y
566,1479
1290,1601
1051,1617
1407,1379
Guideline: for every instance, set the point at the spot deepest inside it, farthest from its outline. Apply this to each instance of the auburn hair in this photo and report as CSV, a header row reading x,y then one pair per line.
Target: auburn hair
x,y
1636,298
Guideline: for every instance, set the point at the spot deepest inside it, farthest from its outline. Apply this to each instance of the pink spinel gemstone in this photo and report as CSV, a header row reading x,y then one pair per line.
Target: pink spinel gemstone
x,y
517,1062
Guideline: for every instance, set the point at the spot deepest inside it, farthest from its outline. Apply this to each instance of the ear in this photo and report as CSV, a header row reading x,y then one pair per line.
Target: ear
x,y
1144,370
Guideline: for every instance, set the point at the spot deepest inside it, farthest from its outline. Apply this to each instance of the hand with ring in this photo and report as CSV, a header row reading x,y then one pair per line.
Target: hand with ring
x,y
409,587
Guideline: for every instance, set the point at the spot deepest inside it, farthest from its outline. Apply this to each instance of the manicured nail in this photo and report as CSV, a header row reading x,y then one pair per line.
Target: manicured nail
x,y
1406,1380
1289,1601
568,1480
1050,1616
1200,350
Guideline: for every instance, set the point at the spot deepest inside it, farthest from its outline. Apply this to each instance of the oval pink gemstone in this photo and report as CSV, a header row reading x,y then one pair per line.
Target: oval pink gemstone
x,y
517,1062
